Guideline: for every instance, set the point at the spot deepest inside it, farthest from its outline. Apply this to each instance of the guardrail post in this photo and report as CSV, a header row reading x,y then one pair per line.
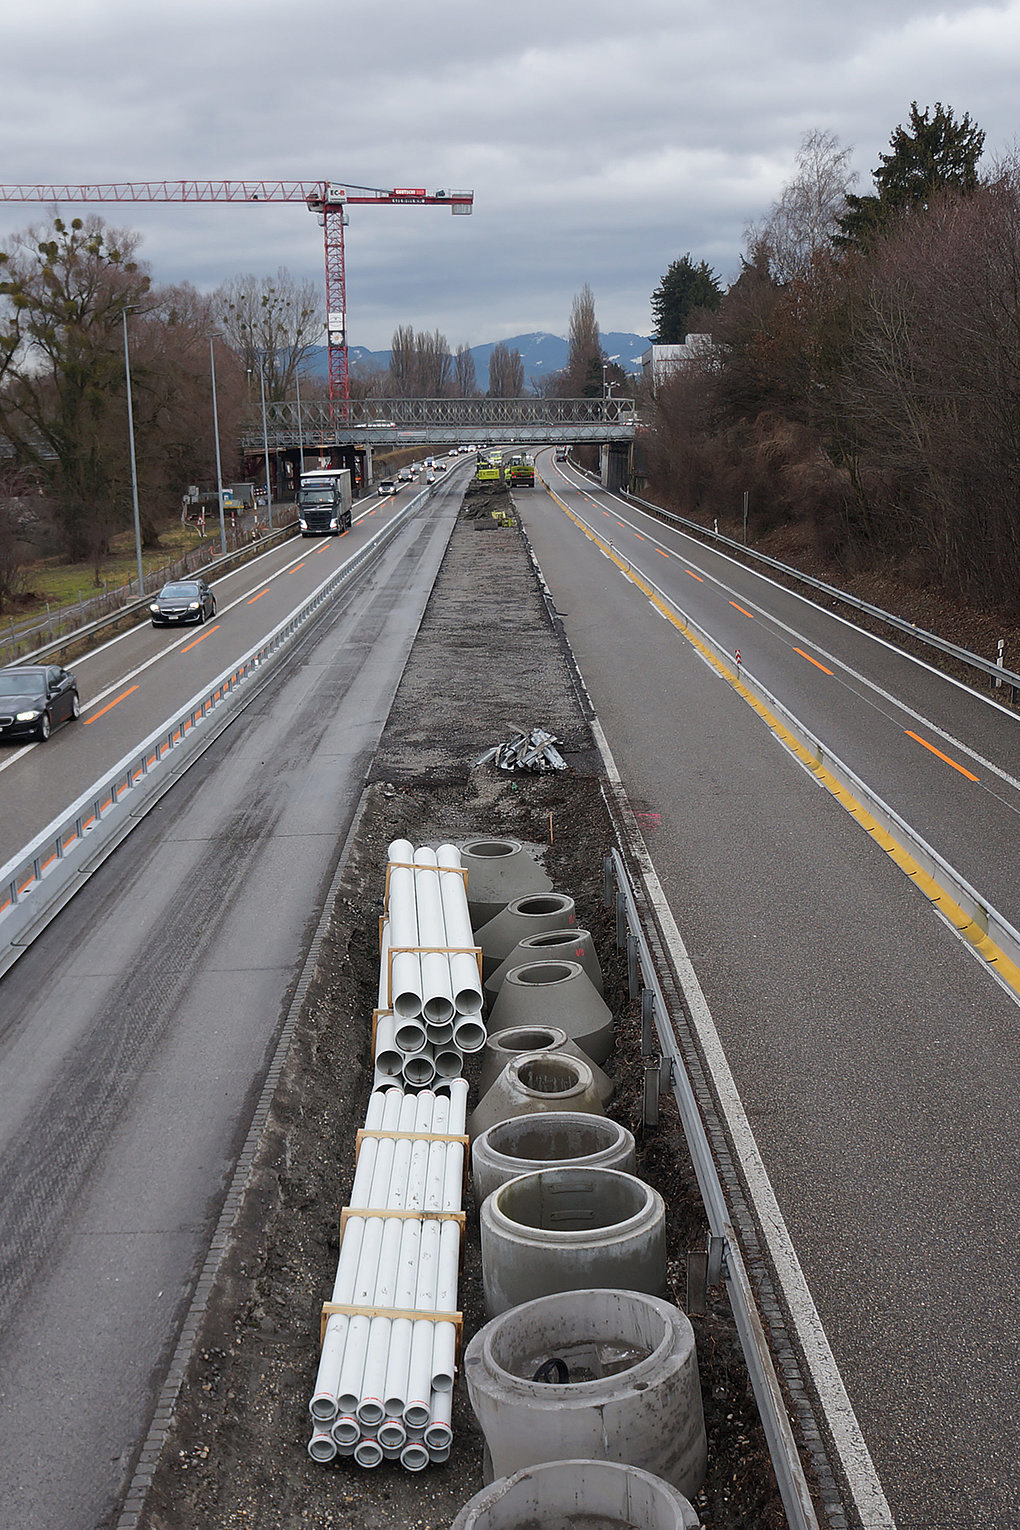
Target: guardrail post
x,y
633,966
607,881
647,1022
621,918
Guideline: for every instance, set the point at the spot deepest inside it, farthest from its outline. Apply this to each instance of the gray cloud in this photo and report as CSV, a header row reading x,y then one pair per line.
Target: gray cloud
x,y
600,140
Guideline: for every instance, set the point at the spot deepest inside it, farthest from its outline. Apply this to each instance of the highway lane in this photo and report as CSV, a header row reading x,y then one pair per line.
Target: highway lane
x,y
130,684
945,758
874,1056
136,1030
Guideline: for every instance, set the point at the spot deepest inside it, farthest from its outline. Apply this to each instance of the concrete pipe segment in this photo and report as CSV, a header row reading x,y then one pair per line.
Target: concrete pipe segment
x,y
499,870
537,1081
531,915
591,1495
556,1139
502,1047
556,993
551,946
619,1382
571,1229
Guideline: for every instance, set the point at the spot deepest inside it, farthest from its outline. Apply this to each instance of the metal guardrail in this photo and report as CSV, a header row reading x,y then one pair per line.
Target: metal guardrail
x,y
37,882
442,421
782,1446
988,666
984,918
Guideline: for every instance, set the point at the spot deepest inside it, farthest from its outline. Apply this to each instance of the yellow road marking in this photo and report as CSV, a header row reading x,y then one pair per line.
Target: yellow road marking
x,y
947,906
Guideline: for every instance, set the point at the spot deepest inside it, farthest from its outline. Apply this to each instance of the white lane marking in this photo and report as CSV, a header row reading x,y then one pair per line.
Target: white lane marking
x,y
155,658
872,685
845,1431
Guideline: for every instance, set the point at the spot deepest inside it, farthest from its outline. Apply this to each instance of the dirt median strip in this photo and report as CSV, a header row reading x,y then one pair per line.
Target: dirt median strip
x,y
234,1454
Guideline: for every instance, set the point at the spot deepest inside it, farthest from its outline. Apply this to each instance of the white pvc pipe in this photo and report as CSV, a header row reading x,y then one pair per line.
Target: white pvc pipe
x,y
388,1057
392,1434
437,993
469,1033
449,1062
322,1446
323,1404
419,1068
405,996
417,1409
465,978
444,1339
439,1434
346,1431
414,1457
368,1453
439,1032
457,1093
410,1035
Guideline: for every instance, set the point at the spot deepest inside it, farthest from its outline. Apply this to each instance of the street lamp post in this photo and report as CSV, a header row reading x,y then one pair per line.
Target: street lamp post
x,y
300,430
216,432
134,467
265,443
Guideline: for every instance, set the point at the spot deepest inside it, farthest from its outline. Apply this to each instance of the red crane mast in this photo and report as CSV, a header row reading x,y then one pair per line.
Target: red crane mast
x,y
327,199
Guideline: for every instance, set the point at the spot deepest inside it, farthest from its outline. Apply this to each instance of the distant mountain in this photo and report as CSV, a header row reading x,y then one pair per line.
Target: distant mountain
x,y
541,353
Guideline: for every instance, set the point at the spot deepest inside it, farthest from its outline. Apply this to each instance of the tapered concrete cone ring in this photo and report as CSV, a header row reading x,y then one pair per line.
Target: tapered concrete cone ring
x,y
537,1081
498,871
503,1046
529,915
604,1494
569,945
560,994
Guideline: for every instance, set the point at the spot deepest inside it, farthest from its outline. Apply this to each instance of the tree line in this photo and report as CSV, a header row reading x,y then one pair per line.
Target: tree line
x,y
863,377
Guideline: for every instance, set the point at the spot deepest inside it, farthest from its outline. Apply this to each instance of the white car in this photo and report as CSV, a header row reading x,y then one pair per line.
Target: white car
x,y
387,487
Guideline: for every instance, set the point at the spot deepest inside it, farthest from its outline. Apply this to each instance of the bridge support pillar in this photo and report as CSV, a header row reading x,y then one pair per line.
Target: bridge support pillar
x,y
615,464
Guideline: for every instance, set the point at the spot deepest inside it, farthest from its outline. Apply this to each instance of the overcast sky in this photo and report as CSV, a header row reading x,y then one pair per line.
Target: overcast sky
x,y
601,138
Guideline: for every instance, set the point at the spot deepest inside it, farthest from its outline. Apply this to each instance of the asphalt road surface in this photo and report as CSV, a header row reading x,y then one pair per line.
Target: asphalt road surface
x,y
135,1032
875,1055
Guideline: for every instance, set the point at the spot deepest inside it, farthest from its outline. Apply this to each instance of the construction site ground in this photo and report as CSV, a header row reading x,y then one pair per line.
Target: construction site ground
x,y
487,660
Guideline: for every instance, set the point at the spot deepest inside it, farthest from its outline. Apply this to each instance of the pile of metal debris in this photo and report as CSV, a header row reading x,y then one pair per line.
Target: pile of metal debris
x,y
532,752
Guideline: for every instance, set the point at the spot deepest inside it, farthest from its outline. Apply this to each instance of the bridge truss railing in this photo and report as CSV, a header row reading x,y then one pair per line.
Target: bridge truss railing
x,y
378,421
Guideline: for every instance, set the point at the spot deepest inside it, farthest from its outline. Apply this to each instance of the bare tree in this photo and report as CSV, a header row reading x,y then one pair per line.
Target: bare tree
x,y
272,323
584,359
801,223
419,363
403,370
506,372
465,381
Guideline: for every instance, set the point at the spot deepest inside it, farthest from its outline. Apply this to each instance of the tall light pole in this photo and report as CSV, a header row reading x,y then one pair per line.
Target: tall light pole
x,y
216,432
134,468
265,443
300,431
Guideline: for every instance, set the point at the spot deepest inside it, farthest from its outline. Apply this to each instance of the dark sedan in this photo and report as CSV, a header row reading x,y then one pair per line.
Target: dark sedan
x,y
35,699
184,600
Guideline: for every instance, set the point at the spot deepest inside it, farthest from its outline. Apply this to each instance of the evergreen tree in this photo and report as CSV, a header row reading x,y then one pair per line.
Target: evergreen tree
x,y
932,153
684,288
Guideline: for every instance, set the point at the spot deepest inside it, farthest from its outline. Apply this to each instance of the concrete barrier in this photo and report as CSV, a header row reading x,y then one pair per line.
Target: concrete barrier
x,y
537,1081
551,1139
499,870
571,1229
560,994
619,1382
591,1495
551,946
503,1046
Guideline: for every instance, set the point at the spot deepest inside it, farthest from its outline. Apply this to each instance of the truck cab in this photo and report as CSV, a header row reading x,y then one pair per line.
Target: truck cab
x,y
324,503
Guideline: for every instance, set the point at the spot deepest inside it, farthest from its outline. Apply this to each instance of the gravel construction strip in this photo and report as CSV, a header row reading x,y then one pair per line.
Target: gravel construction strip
x,y
230,1451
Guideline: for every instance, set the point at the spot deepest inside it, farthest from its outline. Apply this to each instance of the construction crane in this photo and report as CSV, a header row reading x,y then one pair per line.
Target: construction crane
x,y
327,199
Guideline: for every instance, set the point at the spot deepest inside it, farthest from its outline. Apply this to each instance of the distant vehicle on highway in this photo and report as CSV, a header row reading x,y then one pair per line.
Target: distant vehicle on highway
x,y
561,454
440,465
405,475
35,699
388,487
181,601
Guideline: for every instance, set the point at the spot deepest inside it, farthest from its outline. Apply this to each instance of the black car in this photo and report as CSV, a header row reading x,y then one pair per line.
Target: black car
x,y
183,600
35,699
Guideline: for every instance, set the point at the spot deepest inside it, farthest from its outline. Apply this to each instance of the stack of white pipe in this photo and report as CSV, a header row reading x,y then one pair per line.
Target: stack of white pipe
x,y
384,1387
430,1001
